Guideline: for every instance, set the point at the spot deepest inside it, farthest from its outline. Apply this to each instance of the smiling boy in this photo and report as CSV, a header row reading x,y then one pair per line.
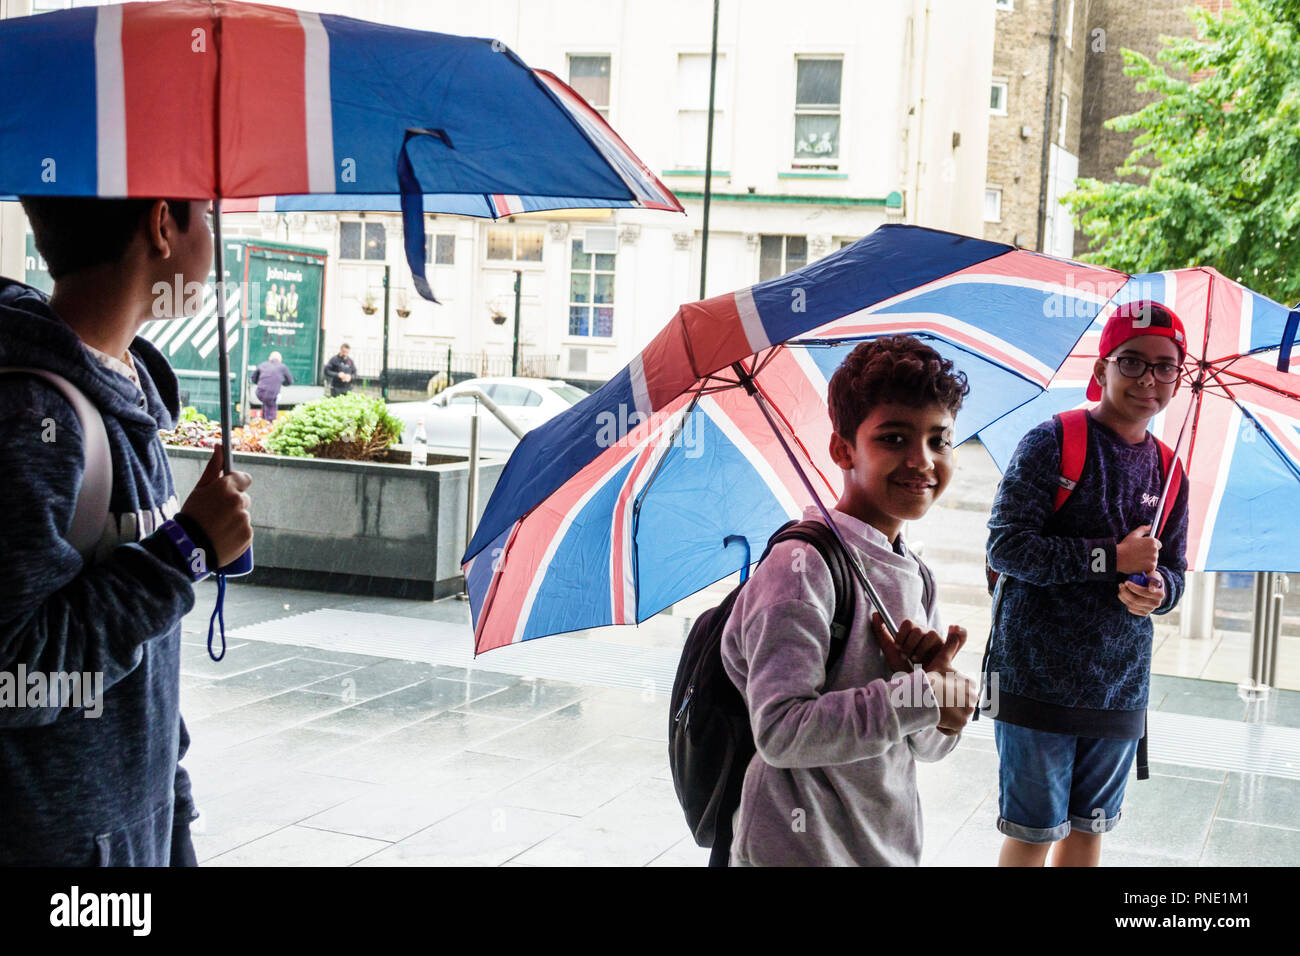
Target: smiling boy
x,y
834,779
1071,637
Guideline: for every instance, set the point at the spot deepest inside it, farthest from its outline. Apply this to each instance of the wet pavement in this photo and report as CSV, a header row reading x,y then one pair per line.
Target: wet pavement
x,y
305,754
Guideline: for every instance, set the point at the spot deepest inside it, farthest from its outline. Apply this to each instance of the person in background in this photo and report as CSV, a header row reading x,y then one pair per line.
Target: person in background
x,y
340,371
270,377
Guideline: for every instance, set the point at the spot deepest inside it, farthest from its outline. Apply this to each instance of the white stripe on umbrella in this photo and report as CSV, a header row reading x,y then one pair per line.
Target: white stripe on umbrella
x,y
1220,481
655,446
110,103
561,532
755,334
1247,316
969,277
640,392
947,327
755,457
803,358
318,107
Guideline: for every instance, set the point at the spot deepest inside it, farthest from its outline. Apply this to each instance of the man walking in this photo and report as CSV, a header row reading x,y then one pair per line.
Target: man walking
x,y
269,377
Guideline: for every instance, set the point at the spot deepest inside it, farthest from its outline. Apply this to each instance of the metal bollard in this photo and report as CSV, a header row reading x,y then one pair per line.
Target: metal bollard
x,y
471,493
1197,608
1263,637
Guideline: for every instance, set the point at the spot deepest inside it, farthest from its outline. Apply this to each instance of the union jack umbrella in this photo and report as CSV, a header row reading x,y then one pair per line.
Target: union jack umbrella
x,y
678,470
1242,453
211,99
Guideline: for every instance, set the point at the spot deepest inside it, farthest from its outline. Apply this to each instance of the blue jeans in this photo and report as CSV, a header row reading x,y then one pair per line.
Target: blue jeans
x,y
1049,783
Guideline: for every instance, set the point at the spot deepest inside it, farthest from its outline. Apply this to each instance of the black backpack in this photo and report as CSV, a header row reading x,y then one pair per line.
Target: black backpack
x,y
710,742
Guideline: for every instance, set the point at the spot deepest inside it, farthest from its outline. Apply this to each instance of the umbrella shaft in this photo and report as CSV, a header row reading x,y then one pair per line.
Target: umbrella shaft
x,y
223,355
1173,466
872,594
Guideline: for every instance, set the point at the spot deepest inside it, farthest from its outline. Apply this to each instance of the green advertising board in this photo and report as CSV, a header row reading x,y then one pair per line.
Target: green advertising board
x,y
283,289
273,304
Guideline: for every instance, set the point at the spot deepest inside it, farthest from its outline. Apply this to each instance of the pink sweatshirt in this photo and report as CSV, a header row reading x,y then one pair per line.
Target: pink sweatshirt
x,y
833,782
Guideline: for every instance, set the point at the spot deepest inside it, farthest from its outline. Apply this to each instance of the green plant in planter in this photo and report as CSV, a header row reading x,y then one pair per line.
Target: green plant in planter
x,y
346,426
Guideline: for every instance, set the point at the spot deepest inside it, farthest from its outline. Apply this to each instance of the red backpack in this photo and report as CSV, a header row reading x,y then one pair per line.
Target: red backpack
x,y
1074,451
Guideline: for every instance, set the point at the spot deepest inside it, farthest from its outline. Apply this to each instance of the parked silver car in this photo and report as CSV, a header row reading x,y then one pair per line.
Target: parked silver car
x,y
527,401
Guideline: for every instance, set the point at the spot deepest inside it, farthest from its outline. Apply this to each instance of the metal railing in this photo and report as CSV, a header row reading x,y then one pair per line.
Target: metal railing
x,y
471,497
1267,627
412,368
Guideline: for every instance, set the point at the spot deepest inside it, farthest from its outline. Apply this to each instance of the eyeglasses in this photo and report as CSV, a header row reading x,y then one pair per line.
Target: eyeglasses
x,y
1132,367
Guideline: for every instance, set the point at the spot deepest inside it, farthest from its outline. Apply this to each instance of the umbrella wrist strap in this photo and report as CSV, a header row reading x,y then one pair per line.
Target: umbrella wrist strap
x,y
218,619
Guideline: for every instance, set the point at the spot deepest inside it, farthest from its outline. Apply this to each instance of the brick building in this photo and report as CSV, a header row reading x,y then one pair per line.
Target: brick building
x,y
1035,104
1058,75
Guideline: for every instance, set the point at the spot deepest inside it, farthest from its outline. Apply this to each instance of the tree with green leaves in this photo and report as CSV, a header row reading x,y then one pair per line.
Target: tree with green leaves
x,y
1217,159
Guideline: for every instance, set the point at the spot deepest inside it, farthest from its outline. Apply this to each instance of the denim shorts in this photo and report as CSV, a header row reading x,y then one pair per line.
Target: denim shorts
x,y
1049,783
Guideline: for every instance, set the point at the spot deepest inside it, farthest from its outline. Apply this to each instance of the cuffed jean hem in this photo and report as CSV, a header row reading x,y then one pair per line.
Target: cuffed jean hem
x,y
1095,824
1033,834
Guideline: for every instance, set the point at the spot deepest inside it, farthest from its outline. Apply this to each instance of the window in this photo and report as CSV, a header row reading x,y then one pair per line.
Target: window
x,y
591,292
1065,111
515,245
589,75
817,112
992,203
998,98
1003,4
514,396
1069,25
569,393
350,241
439,250
693,111
778,255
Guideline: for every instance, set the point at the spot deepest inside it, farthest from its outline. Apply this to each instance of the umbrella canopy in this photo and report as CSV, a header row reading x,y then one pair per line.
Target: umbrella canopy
x,y
195,99
1242,453
198,99
671,477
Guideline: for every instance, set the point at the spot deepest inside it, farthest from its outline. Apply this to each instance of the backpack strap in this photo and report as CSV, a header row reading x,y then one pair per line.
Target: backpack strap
x,y
91,512
1074,451
927,587
827,544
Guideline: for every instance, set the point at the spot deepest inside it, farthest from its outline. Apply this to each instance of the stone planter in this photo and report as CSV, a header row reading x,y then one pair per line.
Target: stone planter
x,y
355,527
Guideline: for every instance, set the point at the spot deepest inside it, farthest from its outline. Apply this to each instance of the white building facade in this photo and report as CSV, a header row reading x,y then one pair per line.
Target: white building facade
x,y
832,117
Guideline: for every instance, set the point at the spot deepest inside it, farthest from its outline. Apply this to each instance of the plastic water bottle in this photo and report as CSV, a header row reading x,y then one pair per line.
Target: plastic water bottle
x,y
420,446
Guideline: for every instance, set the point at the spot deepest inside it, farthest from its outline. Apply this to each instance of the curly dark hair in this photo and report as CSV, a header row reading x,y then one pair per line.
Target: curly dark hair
x,y
75,233
896,368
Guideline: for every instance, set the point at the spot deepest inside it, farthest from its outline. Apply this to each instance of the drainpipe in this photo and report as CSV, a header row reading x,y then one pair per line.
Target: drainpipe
x,y
920,118
1047,126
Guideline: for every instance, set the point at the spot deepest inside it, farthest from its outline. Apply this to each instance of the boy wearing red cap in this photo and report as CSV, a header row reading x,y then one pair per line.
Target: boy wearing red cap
x,y
1071,639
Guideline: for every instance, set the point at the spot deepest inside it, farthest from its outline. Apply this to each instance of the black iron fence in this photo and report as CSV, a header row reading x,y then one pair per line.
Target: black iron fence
x,y
417,372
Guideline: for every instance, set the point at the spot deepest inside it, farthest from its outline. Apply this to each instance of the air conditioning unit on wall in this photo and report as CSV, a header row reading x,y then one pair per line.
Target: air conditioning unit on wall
x,y
600,239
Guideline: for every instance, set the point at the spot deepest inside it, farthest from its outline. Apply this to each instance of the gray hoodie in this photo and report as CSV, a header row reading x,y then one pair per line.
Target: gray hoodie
x,y
833,782
81,786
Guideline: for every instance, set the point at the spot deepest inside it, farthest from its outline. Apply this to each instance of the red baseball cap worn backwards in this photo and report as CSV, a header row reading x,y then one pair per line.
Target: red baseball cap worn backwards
x,y
1132,319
